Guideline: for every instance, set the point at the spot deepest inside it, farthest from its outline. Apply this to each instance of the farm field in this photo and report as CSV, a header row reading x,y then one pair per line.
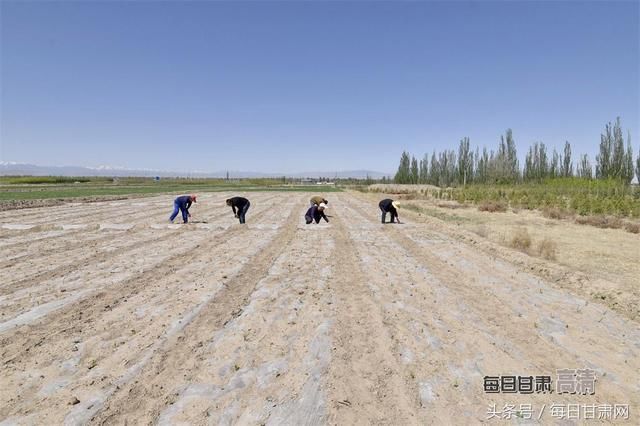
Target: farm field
x,y
18,192
602,264
109,314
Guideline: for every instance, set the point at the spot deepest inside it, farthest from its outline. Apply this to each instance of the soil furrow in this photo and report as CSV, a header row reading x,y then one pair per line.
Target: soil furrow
x,y
110,321
180,356
514,334
375,392
83,252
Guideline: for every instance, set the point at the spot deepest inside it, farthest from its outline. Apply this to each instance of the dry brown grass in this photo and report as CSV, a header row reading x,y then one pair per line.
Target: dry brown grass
x,y
409,196
481,230
521,240
547,249
493,206
609,222
555,213
392,188
413,207
600,221
452,205
634,228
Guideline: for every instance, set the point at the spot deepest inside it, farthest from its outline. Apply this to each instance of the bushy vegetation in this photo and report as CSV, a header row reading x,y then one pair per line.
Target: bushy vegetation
x,y
521,240
547,249
492,206
634,228
549,181
557,196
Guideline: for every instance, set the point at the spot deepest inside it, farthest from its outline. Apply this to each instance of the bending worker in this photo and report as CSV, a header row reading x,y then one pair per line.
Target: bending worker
x,y
317,200
316,212
182,204
389,206
239,205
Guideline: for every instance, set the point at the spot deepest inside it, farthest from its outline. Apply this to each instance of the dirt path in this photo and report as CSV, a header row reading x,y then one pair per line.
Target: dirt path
x,y
278,322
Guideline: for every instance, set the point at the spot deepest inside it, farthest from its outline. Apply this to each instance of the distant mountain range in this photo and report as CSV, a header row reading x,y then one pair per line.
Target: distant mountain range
x,y
20,169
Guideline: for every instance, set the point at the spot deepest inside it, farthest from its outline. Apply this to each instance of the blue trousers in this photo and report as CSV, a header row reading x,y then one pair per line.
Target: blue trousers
x,y
177,207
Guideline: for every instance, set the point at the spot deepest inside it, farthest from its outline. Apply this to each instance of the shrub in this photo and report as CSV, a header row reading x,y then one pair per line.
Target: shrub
x,y
521,240
572,195
634,228
547,249
492,207
555,213
600,221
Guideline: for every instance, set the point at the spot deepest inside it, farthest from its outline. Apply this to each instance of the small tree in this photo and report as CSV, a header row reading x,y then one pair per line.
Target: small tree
x,y
617,159
512,157
403,173
536,165
465,162
603,159
554,169
638,166
482,169
424,169
415,173
447,168
610,162
584,169
627,169
567,165
434,170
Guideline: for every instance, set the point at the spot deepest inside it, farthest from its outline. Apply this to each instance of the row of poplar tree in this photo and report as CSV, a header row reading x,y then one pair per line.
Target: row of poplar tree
x,y
448,168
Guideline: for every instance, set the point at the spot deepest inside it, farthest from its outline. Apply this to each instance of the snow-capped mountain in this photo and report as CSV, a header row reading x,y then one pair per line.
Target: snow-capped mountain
x,y
10,168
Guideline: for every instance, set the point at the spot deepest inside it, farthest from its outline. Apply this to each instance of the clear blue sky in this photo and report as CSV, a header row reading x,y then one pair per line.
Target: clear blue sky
x,y
290,86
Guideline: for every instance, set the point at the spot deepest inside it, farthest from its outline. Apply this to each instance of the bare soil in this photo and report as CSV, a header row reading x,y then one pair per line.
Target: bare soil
x,y
600,264
29,204
110,315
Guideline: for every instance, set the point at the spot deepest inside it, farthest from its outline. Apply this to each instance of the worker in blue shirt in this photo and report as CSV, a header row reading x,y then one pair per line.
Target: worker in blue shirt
x,y
182,204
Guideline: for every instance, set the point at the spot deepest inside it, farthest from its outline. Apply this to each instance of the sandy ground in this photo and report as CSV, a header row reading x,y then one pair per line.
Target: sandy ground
x,y
600,264
110,315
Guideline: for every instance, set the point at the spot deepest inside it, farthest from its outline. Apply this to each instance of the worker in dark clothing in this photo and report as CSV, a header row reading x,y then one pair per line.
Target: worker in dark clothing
x,y
182,204
389,206
239,205
315,213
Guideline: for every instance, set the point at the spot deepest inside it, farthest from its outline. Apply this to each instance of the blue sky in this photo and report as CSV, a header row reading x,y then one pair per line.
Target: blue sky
x,y
302,86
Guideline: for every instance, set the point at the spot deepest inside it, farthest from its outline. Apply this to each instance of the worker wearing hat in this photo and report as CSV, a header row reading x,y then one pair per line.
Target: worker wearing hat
x,y
317,199
241,205
182,204
315,213
389,206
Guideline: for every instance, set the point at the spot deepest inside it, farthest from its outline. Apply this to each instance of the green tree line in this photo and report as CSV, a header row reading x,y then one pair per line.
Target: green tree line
x,y
501,165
